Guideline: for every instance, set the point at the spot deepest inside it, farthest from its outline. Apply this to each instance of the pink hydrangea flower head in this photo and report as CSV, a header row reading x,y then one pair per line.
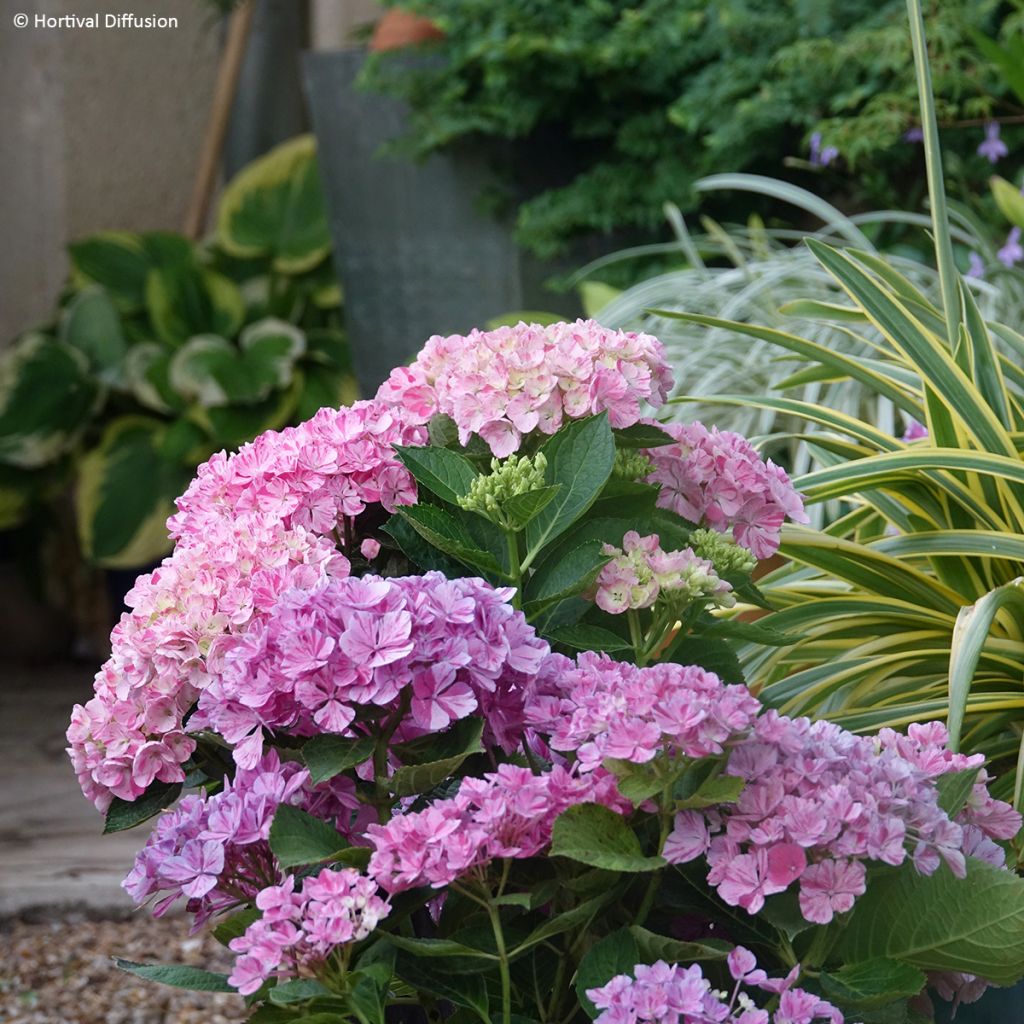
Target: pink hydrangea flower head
x,y
507,813
717,479
448,648
131,732
818,803
640,572
663,993
506,383
298,931
600,708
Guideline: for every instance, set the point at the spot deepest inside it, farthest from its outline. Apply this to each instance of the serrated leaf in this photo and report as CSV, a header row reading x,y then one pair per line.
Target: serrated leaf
x,y
297,837
568,576
642,435
613,955
449,535
954,789
435,948
235,925
327,755
124,814
446,473
464,989
419,551
178,975
636,782
590,638
942,923
873,983
579,459
595,835
412,779
651,947
297,990
721,789
461,737
783,912
520,509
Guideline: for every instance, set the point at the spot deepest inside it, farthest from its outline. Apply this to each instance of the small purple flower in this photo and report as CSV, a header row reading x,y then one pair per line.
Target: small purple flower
x,y
993,148
1011,252
915,134
977,265
822,157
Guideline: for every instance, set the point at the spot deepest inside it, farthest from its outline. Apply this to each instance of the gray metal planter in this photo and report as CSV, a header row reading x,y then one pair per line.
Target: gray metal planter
x,y
415,254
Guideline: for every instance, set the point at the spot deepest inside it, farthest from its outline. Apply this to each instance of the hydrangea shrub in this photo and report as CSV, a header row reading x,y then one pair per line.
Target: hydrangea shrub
x,y
437,711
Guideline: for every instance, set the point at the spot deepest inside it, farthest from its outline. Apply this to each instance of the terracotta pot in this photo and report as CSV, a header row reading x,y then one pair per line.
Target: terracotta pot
x,y
400,29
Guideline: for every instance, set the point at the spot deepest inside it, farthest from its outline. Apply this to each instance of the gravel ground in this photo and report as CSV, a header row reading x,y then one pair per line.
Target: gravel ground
x,y
56,969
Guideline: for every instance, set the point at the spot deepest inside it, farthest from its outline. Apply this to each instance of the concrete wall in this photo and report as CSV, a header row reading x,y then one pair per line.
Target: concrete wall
x,y
99,129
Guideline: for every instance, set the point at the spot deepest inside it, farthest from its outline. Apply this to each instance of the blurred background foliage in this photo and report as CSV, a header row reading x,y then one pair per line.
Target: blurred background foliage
x,y
160,352
617,107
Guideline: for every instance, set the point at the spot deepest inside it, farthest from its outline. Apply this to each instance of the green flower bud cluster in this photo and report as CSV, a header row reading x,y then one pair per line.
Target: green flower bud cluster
x,y
728,557
488,494
631,465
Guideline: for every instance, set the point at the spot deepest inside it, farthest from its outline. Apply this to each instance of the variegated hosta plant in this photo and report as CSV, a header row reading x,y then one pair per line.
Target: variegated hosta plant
x,y
162,352
926,562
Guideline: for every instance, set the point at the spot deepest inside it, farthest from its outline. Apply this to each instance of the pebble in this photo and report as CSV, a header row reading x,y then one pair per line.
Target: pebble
x,y
57,968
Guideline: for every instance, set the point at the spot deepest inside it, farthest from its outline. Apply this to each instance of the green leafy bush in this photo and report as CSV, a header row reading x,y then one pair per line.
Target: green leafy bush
x,y
628,104
162,352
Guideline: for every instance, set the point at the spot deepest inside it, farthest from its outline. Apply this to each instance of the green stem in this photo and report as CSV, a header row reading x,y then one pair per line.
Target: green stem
x,y
381,793
503,968
948,277
515,567
636,636
665,821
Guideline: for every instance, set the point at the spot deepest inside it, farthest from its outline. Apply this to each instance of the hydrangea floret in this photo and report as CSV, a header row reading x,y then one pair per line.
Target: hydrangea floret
x,y
425,723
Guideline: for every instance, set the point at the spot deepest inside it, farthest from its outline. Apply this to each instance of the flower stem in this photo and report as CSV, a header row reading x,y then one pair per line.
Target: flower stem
x,y
636,636
503,968
515,567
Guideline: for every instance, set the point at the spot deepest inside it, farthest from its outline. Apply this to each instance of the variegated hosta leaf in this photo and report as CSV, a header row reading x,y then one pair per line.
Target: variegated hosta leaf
x,y
211,371
274,208
125,492
92,324
47,397
185,299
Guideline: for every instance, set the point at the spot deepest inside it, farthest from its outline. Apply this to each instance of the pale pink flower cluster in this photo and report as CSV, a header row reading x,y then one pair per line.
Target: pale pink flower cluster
x,y
298,931
819,802
314,475
506,383
211,587
449,648
717,479
599,708
640,572
662,993
507,813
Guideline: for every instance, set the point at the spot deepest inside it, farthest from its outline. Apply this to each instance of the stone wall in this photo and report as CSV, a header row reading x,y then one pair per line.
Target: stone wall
x,y
99,129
